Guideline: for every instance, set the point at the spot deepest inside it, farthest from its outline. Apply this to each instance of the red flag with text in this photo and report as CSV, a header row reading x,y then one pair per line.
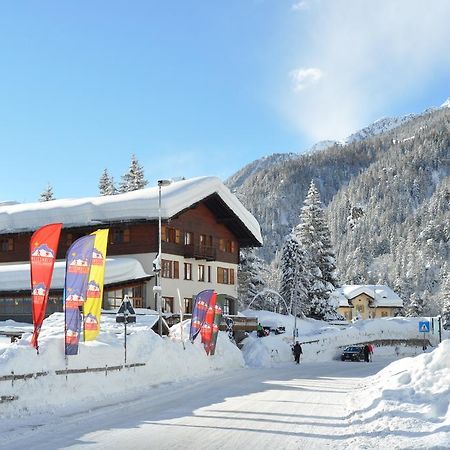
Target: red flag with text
x,y
43,249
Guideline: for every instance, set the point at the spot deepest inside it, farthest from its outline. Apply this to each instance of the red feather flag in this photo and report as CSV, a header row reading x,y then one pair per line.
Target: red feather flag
x,y
207,327
43,249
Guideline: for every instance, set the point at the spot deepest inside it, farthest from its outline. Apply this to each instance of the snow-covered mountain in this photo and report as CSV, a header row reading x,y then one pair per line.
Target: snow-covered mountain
x,y
396,175
256,166
378,127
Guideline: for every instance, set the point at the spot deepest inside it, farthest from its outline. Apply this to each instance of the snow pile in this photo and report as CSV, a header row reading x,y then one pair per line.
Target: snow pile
x,y
409,394
322,341
167,360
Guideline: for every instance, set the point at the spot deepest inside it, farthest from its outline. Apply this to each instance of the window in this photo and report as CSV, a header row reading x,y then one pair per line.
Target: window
x,y
360,308
119,236
19,306
169,234
187,271
226,306
188,238
136,294
54,304
201,272
225,276
6,245
170,269
209,274
205,240
188,305
384,314
167,304
72,237
226,245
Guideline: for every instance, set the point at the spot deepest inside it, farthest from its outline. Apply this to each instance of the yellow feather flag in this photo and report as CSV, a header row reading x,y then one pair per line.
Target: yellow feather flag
x,y
92,307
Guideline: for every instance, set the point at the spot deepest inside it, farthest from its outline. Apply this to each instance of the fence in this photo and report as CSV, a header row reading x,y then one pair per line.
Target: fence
x,y
27,376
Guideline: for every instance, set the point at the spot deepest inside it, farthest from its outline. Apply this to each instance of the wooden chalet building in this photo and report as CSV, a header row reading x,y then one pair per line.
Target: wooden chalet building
x,y
203,228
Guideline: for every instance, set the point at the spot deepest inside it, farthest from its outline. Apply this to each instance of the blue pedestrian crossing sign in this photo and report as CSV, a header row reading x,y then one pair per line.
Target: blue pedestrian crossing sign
x,y
424,327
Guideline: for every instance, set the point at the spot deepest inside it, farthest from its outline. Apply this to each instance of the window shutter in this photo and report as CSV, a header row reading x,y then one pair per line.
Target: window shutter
x,y
176,269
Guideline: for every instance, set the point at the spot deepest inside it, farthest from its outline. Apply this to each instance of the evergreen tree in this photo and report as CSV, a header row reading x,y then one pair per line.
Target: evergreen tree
x,y
251,280
415,307
445,301
313,236
47,195
106,184
294,277
133,179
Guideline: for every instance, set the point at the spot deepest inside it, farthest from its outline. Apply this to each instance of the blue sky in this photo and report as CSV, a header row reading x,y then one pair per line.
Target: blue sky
x,y
202,87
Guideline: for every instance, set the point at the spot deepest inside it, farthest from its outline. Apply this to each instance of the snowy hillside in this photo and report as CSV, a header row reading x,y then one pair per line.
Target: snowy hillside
x,y
386,199
378,127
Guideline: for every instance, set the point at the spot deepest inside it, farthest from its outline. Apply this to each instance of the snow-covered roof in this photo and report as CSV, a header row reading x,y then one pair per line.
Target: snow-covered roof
x,y
382,295
16,277
136,205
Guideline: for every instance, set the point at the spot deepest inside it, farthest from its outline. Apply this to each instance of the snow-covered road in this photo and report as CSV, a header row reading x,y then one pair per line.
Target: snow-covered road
x,y
288,407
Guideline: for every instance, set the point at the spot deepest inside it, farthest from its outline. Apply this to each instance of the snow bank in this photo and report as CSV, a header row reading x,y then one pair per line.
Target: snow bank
x,y
322,341
411,393
167,360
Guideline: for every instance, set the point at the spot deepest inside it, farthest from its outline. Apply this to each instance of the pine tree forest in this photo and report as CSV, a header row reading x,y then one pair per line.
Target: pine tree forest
x,y
387,202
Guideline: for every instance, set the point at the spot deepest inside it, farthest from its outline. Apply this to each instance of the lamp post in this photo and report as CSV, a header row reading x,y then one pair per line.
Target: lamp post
x,y
157,263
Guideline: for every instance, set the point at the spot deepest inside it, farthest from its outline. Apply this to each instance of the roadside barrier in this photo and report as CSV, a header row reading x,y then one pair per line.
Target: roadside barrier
x,y
27,376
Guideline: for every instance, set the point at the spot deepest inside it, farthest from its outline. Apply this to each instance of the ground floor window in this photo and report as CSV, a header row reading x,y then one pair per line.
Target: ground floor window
x,y
226,306
15,305
348,315
21,305
113,297
188,305
167,304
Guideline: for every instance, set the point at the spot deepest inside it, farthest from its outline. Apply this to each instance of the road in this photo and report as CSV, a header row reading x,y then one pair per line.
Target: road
x,y
290,407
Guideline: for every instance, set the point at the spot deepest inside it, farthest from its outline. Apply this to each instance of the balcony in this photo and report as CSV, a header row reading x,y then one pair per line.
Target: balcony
x,y
200,252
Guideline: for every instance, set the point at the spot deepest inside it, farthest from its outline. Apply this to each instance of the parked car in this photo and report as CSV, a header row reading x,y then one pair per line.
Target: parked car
x,y
353,353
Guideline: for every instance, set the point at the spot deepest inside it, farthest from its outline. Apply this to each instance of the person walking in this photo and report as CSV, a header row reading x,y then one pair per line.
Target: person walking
x,y
366,353
297,350
370,352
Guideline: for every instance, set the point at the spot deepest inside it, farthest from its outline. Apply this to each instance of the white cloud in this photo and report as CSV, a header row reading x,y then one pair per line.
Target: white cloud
x,y
375,55
303,78
299,6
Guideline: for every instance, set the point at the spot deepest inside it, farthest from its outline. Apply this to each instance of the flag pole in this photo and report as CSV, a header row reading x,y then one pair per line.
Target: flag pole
x,y
181,318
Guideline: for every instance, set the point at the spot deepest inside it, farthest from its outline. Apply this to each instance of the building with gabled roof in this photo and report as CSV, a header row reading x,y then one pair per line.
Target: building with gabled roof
x,y
367,301
204,226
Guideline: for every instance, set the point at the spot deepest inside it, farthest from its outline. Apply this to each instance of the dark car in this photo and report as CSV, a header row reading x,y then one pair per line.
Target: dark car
x,y
353,353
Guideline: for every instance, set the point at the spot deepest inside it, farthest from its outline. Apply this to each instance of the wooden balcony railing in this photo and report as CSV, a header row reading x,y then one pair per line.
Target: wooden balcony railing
x,y
200,252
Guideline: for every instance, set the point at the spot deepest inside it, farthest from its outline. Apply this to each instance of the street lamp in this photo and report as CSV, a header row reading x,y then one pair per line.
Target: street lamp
x,y
157,262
